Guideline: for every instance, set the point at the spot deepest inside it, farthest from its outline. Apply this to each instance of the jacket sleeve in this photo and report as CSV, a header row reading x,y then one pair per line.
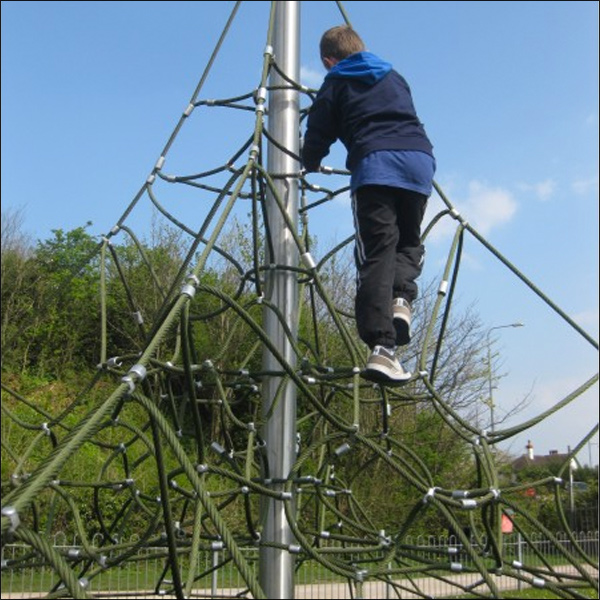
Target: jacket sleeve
x,y
321,130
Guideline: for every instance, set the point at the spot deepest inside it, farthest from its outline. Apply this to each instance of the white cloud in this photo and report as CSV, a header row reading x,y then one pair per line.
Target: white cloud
x,y
543,190
345,198
485,208
312,78
488,207
583,187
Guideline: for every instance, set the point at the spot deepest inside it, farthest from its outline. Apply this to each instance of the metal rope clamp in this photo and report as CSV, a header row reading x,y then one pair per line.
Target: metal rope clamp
x,y
137,372
189,289
10,512
430,494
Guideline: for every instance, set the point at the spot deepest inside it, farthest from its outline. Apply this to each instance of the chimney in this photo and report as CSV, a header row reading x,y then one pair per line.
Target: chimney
x,y
553,452
529,450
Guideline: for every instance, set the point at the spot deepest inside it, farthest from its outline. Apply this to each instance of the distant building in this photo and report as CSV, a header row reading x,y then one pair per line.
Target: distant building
x,y
553,458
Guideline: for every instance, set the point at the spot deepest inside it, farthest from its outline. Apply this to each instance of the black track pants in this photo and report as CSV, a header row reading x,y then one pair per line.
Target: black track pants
x,y
389,256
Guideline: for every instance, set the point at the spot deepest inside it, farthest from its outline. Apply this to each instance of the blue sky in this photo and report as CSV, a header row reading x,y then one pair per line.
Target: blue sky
x,y
508,92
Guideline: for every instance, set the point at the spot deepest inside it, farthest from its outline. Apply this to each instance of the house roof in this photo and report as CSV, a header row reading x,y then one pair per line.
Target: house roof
x,y
539,461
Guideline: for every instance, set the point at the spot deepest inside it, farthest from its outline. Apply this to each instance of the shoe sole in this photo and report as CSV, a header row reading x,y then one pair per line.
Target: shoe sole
x,y
383,375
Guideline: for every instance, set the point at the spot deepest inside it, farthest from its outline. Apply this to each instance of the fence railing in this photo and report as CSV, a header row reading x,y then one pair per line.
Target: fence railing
x,y
146,574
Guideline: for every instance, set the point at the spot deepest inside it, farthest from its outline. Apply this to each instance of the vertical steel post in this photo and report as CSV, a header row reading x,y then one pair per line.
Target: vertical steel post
x,y
281,288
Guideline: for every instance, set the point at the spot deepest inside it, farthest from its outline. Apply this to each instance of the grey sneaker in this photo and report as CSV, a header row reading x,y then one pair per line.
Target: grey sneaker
x,y
384,367
402,317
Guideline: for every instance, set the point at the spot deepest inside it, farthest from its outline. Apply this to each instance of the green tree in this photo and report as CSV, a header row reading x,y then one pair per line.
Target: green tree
x,y
19,279
67,296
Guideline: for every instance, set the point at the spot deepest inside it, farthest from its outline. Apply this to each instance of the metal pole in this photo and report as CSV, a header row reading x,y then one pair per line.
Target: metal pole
x,y
276,569
215,546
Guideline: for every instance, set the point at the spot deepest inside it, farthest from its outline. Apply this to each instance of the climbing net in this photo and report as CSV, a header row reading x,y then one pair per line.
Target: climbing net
x,y
178,424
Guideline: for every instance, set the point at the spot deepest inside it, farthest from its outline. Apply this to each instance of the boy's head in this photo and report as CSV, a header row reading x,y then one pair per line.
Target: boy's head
x,y
339,42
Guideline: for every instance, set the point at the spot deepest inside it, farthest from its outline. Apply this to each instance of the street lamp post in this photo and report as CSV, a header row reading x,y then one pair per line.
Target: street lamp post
x,y
590,444
490,374
572,467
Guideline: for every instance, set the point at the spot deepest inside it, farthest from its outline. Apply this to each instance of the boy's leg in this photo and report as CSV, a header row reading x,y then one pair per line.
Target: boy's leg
x,y
377,238
409,250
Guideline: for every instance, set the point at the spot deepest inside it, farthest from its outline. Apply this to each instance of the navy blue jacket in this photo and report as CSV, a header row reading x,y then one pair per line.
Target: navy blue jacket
x,y
368,106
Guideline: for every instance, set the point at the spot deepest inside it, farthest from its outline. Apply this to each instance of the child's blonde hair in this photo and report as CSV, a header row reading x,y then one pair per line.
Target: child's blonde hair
x,y
340,42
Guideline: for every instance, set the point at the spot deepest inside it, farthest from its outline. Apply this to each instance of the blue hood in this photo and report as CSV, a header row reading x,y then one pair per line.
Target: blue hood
x,y
364,66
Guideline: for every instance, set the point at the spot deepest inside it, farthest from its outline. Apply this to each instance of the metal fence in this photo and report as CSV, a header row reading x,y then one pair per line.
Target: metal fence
x,y
146,574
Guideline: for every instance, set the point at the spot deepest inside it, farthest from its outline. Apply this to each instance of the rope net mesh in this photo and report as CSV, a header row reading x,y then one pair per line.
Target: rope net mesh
x,y
174,414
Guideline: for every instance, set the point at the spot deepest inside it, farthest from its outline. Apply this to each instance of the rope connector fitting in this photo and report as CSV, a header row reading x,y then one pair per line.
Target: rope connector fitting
x,y
430,494
341,450
261,95
189,289
10,512
113,362
216,447
139,370
360,575
309,261
254,152
136,373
